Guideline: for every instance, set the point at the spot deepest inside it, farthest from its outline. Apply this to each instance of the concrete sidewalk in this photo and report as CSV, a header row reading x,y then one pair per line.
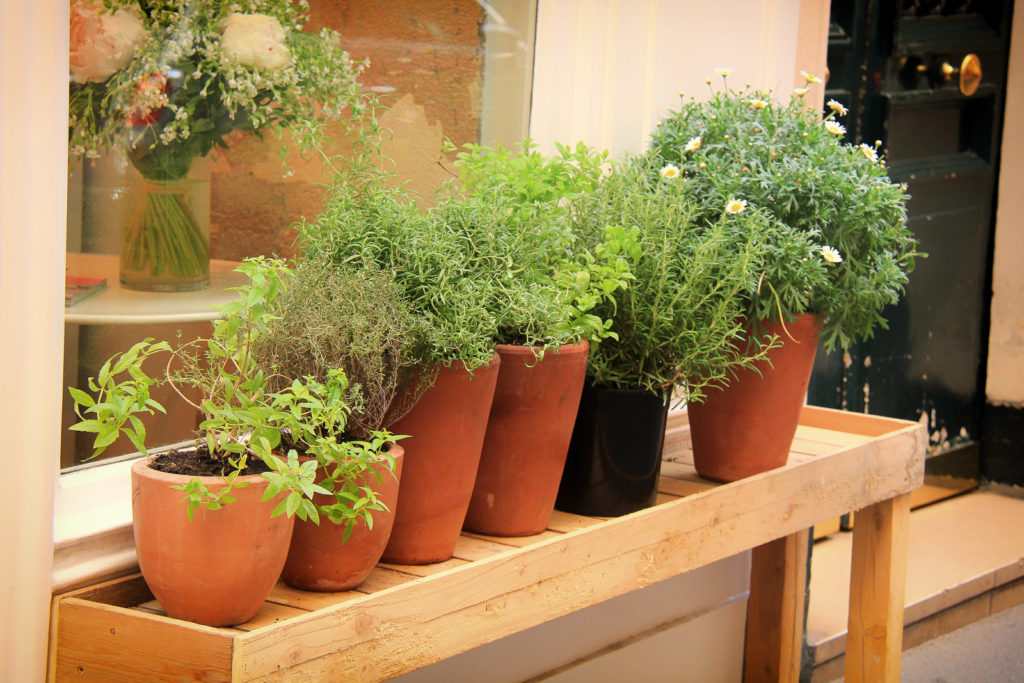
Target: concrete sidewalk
x,y
990,650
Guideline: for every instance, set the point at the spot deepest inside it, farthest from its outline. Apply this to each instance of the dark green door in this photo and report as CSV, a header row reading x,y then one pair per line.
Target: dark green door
x,y
897,65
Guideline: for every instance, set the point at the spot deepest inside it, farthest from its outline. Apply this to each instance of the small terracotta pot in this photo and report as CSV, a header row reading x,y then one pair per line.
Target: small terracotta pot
x,y
528,432
320,560
748,426
446,429
218,568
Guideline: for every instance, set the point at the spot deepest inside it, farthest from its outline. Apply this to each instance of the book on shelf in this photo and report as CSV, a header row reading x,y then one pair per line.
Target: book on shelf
x,y
78,289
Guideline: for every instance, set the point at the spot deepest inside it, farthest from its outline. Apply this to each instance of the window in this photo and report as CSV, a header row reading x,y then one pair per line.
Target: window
x,y
458,70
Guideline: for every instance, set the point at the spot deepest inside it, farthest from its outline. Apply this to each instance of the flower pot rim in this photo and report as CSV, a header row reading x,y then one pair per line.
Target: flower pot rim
x,y
144,462
523,349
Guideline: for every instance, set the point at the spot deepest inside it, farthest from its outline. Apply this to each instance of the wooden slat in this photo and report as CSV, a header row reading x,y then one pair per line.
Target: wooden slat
x,y
566,521
398,630
515,541
878,573
98,642
775,610
844,421
830,436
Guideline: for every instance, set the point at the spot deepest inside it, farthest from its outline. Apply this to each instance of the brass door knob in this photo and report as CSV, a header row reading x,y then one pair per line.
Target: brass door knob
x,y
969,73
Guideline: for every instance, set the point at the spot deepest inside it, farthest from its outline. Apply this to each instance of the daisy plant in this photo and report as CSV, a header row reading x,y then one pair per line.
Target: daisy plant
x,y
836,240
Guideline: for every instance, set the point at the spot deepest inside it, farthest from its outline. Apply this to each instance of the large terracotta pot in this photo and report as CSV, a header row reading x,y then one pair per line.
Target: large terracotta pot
x,y
748,426
321,560
528,432
446,429
218,568
615,454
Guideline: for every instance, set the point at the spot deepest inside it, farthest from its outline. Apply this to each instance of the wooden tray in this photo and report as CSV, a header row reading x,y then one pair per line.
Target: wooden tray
x,y
404,617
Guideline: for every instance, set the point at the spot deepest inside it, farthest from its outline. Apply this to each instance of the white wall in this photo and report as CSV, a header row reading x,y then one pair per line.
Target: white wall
x,y
33,185
1005,385
607,70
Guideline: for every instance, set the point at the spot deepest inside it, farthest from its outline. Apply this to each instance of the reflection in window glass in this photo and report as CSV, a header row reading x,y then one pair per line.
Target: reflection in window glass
x,y
445,69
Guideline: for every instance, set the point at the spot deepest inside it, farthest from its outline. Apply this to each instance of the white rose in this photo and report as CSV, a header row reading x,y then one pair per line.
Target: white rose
x,y
255,40
102,42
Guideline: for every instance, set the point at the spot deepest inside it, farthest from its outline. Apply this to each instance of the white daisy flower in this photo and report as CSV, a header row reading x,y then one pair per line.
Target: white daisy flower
x,y
693,145
735,206
868,151
837,107
835,127
669,171
723,71
810,78
831,255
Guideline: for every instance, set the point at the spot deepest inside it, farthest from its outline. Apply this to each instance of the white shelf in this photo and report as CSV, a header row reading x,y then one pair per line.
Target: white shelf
x,y
118,306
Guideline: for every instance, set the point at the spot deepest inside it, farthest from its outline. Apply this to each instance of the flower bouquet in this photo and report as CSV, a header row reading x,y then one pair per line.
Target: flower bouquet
x,y
167,81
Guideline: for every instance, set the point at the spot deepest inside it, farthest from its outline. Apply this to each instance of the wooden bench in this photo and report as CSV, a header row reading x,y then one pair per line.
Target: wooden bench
x,y
404,617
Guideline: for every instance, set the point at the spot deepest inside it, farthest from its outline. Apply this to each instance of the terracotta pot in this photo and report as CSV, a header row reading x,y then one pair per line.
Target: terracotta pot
x,y
615,454
528,432
748,427
218,568
321,560
446,429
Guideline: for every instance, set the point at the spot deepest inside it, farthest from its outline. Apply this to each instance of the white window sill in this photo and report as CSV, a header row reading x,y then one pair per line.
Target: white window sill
x,y
92,529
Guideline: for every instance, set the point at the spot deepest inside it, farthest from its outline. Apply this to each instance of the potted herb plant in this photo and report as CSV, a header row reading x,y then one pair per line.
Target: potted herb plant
x,y
213,521
167,82
352,320
837,252
368,221
513,207
678,326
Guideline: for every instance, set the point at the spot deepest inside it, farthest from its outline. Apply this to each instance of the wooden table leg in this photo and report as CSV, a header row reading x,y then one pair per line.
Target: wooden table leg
x,y
878,574
775,610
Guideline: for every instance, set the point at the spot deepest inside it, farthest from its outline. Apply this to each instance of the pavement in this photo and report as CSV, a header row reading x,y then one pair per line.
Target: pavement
x,y
987,651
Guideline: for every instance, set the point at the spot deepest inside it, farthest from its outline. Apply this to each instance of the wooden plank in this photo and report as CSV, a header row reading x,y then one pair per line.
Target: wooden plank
x,y
830,437
682,487
125,591
775,610
283,594
565,522
97,642
845,421
514,541
877,584
407,627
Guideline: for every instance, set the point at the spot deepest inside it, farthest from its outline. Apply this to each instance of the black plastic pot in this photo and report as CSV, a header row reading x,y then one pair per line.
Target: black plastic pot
x,y
615,453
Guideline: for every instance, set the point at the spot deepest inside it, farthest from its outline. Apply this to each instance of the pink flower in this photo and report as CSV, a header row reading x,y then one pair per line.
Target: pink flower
x,y
102,42
255,40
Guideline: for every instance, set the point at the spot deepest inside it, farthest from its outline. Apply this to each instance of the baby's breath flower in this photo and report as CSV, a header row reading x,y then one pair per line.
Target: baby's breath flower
x,y
834,127
669,172
831,255
837,107
693,144
735,206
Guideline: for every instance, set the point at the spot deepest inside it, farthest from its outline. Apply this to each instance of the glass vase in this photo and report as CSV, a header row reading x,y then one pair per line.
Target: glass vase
x,y
165,233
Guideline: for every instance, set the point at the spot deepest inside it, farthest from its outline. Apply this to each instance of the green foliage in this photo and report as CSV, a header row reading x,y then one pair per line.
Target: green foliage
x,y
783,160
369,222
512,214
679,321
242,418
343,317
